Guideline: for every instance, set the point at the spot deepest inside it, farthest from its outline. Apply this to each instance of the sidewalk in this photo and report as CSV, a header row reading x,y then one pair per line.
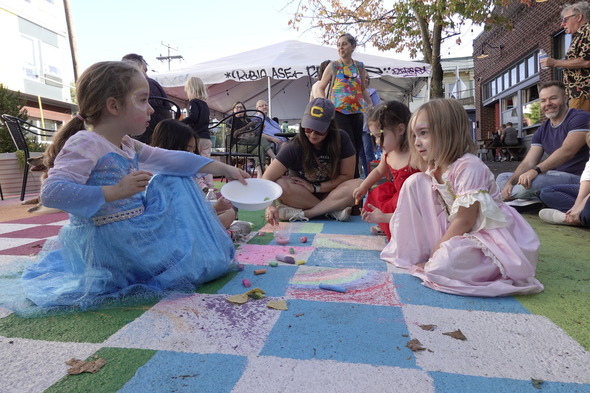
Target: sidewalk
x,y
358,341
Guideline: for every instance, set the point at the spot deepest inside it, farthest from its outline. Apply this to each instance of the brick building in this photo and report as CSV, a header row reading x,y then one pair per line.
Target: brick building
x,y
507,68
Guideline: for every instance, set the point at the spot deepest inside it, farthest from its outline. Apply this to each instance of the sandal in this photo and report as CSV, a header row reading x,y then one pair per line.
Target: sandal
x,y
376,230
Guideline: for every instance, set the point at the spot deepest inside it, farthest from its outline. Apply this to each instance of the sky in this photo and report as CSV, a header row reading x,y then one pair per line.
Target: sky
x,y
197,30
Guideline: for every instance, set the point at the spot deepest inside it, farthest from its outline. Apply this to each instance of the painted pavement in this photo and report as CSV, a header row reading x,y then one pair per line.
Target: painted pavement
x,y
325,342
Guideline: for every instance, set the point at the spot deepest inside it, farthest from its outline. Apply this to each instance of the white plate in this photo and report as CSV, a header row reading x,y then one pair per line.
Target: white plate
x,y
257,195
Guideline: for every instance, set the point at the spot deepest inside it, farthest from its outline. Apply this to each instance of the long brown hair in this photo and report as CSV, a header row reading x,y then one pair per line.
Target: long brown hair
x,y
96,84
333,144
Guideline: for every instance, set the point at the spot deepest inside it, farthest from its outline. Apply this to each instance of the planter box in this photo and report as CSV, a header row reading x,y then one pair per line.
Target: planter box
x,y
11,177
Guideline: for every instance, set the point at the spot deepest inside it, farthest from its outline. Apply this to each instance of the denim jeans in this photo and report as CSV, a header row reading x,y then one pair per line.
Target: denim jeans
x,y
367,154
550,178
562,197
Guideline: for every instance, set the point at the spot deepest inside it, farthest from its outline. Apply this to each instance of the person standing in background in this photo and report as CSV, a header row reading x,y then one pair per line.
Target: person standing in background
x,y
576,65
198,118
348,92
367,153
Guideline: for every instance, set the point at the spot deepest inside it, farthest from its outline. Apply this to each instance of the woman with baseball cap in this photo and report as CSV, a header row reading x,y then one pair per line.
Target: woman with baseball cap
x,y
320,162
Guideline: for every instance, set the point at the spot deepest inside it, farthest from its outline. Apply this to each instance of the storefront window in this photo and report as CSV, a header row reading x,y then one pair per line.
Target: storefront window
x,y
531,108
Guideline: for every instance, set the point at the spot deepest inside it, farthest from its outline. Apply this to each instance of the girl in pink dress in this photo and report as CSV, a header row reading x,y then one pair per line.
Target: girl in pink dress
x,y
451,228
388,123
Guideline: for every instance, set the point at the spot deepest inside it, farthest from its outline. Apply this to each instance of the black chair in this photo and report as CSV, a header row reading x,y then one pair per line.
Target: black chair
x,y
17,129
243,142
164,108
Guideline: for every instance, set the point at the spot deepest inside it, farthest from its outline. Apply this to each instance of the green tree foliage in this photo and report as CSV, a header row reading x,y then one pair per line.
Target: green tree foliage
x,y
418,26
10,104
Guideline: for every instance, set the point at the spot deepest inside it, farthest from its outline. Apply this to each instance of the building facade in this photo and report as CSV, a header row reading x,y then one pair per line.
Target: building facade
x,y
37,61
506,63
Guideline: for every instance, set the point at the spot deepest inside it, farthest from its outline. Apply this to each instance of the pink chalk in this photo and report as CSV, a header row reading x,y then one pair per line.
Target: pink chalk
x,y
303,239
246,283
285,258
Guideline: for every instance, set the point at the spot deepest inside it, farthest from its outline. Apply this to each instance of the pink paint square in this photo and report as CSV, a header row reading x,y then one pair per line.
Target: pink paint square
x,y
255,254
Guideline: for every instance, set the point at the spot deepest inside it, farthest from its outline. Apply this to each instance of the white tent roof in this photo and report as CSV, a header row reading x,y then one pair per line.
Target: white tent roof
x,y
292,68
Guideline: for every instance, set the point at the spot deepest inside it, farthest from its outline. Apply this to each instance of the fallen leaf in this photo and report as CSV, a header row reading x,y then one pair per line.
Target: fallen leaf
x,y
300,314
415,345
237,299
277,305
81,366
428,327
537,383
456,335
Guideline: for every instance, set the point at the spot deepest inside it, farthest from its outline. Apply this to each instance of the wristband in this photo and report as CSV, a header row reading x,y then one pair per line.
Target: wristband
x,y
316,187
539,171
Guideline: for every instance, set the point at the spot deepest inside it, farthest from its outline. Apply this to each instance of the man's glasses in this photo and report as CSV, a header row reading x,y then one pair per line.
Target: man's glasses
x,y
565,18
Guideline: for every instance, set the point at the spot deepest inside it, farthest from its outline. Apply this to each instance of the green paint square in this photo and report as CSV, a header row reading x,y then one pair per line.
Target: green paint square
x,y
121,365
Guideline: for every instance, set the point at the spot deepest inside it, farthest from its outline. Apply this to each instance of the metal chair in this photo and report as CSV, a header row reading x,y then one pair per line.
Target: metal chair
x,y
164,108
243,144
17,129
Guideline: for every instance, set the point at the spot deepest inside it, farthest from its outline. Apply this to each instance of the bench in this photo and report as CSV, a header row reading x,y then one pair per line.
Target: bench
x,y
515,151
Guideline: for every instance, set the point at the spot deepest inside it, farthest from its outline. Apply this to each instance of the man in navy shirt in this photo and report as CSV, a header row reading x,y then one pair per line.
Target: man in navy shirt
x,y
561,137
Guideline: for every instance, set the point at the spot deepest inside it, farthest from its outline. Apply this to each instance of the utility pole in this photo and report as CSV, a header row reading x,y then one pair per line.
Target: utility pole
x,y
169,58
72,38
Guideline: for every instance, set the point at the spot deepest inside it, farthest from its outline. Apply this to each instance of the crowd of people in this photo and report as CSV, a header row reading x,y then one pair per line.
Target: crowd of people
x,y
132,185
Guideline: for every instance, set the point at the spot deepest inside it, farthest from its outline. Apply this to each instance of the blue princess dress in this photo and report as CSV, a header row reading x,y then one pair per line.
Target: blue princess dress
x,y
164,239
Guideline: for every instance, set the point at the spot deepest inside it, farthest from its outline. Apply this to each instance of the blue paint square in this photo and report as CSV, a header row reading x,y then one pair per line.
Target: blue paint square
x,y
411,291
453,383
354,226
274,282
347,259
187,372
345,332
295,240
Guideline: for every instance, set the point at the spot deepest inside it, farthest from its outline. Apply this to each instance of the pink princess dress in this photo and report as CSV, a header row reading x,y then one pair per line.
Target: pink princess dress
x,y
497,257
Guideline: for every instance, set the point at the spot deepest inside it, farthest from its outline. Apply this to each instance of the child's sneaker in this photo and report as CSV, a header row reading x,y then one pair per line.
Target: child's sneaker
x,y
288,213
239,230
340,215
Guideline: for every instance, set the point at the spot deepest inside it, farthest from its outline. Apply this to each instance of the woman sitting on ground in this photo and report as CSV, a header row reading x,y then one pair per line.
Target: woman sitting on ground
x,y
320,161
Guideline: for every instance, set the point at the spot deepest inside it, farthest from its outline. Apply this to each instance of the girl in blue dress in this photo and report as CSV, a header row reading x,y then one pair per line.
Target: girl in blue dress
x,y
132,234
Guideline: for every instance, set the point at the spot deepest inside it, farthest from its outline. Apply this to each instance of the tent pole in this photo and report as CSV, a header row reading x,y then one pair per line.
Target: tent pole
x,y
269,96
428,89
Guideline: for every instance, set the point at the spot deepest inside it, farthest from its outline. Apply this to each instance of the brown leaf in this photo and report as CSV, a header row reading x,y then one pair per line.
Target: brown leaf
x,y
81,366
415,345
428,327
457,334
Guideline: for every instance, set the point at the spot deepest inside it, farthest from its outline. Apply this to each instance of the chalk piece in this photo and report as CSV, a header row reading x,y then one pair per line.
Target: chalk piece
x,y
240,267
291,250
300,262
285,258
246,283
260,271
261,233
273,264
335,288
303,239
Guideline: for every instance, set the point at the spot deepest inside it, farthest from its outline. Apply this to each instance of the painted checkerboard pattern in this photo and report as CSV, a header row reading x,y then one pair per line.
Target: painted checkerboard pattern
x,y
325,342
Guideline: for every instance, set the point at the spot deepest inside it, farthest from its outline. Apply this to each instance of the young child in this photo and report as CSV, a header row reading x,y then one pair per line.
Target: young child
x,y
198,118
451,228
131,234
174,135
388,123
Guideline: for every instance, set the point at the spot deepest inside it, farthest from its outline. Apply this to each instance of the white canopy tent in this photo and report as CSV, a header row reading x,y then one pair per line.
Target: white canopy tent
x,y
283,74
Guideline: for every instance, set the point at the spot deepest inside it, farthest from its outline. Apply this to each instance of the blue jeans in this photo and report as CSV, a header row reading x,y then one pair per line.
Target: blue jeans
x,y
551,178
367,154
562,197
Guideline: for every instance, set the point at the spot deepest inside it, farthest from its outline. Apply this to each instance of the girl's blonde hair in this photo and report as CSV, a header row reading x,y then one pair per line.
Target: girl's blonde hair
x,y
388,115
97,83
449,129
195,89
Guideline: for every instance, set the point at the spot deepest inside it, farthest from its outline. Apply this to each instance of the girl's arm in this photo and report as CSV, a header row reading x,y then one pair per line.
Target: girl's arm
x,y
374,176
463,223
366,95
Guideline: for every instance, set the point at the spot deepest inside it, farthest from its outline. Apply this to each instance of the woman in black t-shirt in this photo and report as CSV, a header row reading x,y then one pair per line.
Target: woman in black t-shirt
x,y
320,162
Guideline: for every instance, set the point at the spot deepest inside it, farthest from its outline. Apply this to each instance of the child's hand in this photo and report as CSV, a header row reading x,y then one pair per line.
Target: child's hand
x,y
128,186
233,173
373,216
222,204
359,192
272,215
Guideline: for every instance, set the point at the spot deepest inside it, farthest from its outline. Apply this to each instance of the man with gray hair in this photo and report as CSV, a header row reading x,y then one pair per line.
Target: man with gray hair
x,y
576,65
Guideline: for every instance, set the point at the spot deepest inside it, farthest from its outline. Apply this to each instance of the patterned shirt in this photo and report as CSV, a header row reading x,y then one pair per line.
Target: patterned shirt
x,y
347,92
577,80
